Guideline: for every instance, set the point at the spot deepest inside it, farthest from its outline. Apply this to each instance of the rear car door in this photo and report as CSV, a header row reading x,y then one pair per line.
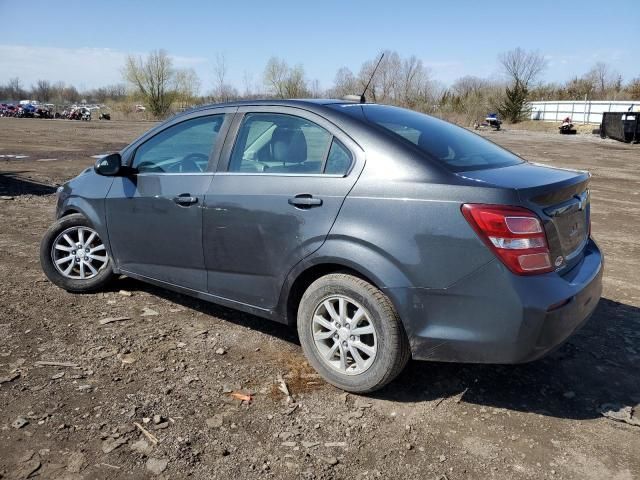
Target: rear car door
x,y
154,217
273,203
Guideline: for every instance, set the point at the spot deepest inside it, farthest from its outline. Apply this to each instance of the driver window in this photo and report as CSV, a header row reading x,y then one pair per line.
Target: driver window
x,y
181,148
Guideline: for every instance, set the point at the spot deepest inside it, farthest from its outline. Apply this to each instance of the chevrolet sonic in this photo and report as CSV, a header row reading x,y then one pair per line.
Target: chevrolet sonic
x,y
381,233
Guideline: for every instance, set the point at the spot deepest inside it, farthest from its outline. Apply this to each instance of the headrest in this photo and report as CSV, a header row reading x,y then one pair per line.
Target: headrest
x,y
437,148
288,145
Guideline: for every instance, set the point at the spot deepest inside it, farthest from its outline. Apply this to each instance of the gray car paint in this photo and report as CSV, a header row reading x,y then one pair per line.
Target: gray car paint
x,y
395,219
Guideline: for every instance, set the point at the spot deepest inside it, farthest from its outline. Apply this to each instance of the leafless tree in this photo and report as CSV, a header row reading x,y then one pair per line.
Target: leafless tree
x,y
345,83
314,88
250,89
633,89
469,85
154,79
284,81
42,90
187,85
521,66
275,76
222,91
15,89
413,83
606,82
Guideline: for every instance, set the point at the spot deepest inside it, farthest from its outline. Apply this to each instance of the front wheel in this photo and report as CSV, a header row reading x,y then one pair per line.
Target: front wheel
x,y
351,333
73,256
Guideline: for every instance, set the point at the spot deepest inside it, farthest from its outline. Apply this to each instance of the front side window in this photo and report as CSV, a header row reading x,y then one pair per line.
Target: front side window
x,y
278,143
181,148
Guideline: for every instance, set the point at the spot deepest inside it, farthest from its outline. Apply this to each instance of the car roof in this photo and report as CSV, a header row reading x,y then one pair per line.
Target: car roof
x,y
308,103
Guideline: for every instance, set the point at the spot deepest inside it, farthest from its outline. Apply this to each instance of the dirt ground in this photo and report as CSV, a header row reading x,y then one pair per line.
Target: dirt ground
x,y
172,367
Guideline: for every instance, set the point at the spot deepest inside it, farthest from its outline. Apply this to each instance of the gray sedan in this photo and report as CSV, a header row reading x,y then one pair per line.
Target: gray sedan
x,y
381,233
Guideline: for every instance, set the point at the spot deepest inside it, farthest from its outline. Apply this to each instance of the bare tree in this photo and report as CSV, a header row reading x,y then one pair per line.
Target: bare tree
x,y
522,67
249,87
296,84
15,89
314,88
469,85
42,90
413,83
222,91
275,76
384,84
606,81
154,79
633,89
187,84
345,83
283,81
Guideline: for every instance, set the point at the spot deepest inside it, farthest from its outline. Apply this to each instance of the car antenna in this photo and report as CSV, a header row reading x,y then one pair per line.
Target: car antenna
x,y
362,97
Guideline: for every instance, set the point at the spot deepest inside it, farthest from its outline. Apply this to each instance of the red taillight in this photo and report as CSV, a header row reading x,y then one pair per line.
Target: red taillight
x,y
514,234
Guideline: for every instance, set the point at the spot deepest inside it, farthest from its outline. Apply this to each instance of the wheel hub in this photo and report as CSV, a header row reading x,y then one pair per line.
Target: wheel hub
x,y
343,333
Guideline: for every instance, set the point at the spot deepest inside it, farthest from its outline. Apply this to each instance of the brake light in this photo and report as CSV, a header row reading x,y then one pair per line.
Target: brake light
x,y
514,234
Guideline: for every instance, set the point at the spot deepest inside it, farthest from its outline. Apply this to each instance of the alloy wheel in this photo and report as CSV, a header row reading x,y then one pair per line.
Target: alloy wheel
x,y
344,335
78,253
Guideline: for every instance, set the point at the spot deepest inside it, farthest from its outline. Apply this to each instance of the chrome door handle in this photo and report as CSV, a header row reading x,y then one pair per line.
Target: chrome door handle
x,y
185,199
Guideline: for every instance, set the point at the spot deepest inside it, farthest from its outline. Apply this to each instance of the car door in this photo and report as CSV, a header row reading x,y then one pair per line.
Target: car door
x,y
154,216
273,203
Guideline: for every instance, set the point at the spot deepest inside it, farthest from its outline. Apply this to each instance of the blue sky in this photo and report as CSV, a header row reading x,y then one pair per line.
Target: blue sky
x,y
85,42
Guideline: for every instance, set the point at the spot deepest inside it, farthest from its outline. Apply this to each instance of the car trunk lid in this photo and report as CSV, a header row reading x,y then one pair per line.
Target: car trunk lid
x,y
559,196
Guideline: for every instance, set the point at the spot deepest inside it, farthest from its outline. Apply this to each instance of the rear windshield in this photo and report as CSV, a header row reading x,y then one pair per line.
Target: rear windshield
x,y
457,148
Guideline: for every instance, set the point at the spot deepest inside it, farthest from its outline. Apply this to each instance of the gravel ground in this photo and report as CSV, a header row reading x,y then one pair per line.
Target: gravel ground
x,y
182,388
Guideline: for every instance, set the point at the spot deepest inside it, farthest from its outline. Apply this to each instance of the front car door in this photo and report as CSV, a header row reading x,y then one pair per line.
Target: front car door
x,y
154,217
287,174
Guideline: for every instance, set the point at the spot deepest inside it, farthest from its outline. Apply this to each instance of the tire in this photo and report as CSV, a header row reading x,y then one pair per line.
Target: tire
x,y
47,252
392,350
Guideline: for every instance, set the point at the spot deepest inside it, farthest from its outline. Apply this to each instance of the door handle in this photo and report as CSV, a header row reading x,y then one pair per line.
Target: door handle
x,y
185,199
305,200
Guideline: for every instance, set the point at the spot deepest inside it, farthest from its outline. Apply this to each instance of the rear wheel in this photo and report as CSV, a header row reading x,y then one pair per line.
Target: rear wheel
x,y
351,333
73,256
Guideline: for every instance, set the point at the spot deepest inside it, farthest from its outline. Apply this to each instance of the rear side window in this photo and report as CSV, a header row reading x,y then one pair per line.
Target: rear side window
x,y
455,147
339,159
280,143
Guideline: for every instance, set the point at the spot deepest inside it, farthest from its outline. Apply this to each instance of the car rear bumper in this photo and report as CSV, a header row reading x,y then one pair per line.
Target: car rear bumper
x,y
494,316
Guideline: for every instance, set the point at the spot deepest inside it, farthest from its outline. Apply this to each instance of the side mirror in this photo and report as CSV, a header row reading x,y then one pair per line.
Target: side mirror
x,y
109,165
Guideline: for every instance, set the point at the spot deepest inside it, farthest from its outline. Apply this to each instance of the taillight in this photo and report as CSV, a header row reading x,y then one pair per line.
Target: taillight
x,y
514,234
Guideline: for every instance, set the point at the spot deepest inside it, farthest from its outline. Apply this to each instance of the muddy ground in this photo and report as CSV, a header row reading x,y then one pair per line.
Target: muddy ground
x,y
160,369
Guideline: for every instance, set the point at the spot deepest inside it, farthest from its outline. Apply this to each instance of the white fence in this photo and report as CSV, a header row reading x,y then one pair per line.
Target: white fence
x,y
580,111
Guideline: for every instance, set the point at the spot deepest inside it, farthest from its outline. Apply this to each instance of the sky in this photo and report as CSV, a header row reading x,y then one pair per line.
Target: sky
x,y
84,43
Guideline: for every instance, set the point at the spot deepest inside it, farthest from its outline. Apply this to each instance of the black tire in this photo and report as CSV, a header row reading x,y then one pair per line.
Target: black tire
x,y
72,285
393,350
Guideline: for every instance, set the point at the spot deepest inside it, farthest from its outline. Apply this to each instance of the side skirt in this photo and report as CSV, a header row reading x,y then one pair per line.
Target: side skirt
x,y
225,302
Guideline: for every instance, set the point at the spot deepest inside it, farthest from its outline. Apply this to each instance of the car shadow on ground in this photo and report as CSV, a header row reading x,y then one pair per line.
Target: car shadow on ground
x,y
11,184
237,317
596,366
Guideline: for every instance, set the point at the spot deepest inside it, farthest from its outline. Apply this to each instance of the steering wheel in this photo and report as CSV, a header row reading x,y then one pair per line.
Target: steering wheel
x,y
189,164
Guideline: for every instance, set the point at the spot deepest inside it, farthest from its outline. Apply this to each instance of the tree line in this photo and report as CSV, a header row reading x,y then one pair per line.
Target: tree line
x,y
403,81
59,92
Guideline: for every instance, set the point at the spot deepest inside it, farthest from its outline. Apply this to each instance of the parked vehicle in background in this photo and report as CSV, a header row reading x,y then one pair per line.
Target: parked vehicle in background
x,y
140,108
85,114
491,121
566,127
381,233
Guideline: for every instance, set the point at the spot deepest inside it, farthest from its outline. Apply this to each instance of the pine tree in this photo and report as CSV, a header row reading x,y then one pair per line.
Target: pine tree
x,y
514,105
